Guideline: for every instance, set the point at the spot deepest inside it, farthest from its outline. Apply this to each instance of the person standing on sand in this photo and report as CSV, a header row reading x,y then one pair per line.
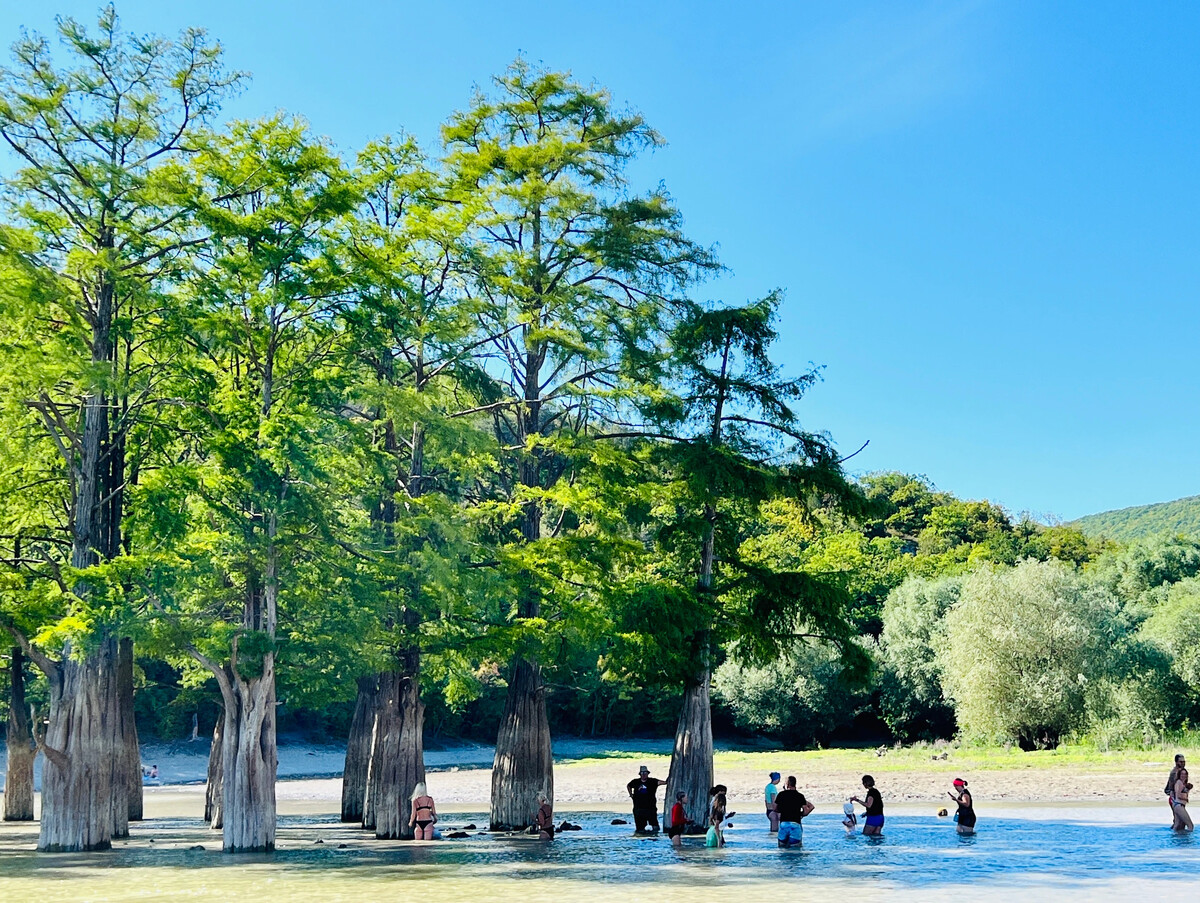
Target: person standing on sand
x,y
1169,789
424,814
1183,821
643,790
769,793
544,819
792,807
966,807
873,822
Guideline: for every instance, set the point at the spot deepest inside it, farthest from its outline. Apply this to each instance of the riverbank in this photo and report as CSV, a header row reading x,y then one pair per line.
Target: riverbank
x,y
596,771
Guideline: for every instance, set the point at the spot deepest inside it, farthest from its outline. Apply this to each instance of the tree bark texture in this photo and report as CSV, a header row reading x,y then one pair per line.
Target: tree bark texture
x,y
397,754
358,750
129,755
524,764
83,802
18,775
213,792
692,758
249,760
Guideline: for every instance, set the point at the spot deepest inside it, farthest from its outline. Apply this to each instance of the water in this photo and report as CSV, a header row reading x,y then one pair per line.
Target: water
x,y
1032,852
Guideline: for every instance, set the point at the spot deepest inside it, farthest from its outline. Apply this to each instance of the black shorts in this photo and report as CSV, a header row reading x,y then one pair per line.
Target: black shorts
x,y
675,830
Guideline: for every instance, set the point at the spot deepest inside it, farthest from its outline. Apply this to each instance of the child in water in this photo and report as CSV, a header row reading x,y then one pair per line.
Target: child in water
x,y
851,820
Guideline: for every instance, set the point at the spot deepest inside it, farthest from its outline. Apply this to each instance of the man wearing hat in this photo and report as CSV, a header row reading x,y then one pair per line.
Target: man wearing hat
x,y
642,790
770,792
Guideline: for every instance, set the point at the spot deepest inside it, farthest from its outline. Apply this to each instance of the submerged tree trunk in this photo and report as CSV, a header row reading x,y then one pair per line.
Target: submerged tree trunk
x,y
18,775
78,793
692,758
358,750
397,759
524,764
249,760
129,764
213,789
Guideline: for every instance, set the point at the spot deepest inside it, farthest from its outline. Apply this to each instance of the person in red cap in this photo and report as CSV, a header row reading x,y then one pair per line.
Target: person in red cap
x,y
966,807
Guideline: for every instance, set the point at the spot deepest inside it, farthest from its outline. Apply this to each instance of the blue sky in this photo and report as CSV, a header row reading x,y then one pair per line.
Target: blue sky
x,y
984,213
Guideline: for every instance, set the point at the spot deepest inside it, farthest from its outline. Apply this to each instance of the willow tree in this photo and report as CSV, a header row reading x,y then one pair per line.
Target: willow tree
x,y
574,276
263,491
414,342
95,147
724,443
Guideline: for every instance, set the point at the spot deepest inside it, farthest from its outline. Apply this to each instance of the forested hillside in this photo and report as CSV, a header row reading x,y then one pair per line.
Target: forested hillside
x,y
1178,518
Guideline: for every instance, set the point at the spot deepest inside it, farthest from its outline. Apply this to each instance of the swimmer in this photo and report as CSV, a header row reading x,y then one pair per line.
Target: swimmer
x,y
544,819
851,819
423,816
873,820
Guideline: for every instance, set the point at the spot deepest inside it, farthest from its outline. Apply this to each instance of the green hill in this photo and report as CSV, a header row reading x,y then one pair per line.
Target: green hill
x,y
1181,516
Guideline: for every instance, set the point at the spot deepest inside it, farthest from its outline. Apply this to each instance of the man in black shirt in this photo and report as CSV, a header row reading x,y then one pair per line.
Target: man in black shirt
x,y
642,790
792,808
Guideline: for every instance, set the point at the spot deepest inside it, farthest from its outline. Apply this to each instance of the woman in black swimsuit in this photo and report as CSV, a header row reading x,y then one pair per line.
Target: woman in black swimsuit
x,y
966,807
424,813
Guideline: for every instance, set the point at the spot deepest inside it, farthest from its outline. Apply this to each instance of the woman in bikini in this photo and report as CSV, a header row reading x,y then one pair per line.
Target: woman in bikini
x,y
424,813
544,819
1183,821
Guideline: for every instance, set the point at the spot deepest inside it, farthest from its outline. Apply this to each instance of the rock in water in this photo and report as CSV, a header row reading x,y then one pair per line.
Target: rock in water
x,y
468,827
567,826
455,835
618,821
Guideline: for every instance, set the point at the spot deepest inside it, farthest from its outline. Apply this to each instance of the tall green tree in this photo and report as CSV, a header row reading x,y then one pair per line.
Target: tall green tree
x,y
265,495
728,441
415,342
96,146
575,276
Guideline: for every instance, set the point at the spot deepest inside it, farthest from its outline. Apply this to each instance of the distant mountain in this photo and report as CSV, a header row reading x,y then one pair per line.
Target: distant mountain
x,y
1181,516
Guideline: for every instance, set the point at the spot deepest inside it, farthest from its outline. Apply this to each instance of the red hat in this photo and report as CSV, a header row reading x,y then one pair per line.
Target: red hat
x,y
959,782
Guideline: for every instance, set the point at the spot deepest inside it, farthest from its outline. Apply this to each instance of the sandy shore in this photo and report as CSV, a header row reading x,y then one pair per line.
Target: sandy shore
x,y
590,772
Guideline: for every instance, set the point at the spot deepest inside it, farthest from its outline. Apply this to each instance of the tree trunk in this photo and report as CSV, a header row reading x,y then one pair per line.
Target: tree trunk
x,y
18,776
79,812
250,760
358,750
130,757
692,759
397,755
524,764
213,790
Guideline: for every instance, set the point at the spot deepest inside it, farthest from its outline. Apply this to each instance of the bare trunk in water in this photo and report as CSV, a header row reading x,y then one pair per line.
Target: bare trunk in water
x,y
692,758
213,789
83,804
18,776
129,765
397,759
358,750
524,764
249,760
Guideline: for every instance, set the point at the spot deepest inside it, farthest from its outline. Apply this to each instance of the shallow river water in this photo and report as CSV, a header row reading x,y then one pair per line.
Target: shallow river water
x,y
1027,852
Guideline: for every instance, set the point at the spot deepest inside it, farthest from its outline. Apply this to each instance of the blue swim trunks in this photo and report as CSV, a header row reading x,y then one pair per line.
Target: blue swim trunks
x,y
791,833
875,821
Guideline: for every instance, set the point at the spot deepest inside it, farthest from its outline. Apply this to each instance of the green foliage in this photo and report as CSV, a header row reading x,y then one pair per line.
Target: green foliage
x,y
801,698
1022,647
1180,517
913,639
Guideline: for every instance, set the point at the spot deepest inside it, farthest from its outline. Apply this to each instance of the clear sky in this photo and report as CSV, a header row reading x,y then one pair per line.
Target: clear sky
x,y
985,214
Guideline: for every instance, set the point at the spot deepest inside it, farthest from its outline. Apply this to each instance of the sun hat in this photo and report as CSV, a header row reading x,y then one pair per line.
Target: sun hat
x,y
643,770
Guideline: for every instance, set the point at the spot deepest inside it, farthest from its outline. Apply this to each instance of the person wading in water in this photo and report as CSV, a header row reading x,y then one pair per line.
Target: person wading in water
x,y
642,791
966,807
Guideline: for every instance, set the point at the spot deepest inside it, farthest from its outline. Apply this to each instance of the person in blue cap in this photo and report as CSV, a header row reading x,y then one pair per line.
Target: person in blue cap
x,y
769,794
